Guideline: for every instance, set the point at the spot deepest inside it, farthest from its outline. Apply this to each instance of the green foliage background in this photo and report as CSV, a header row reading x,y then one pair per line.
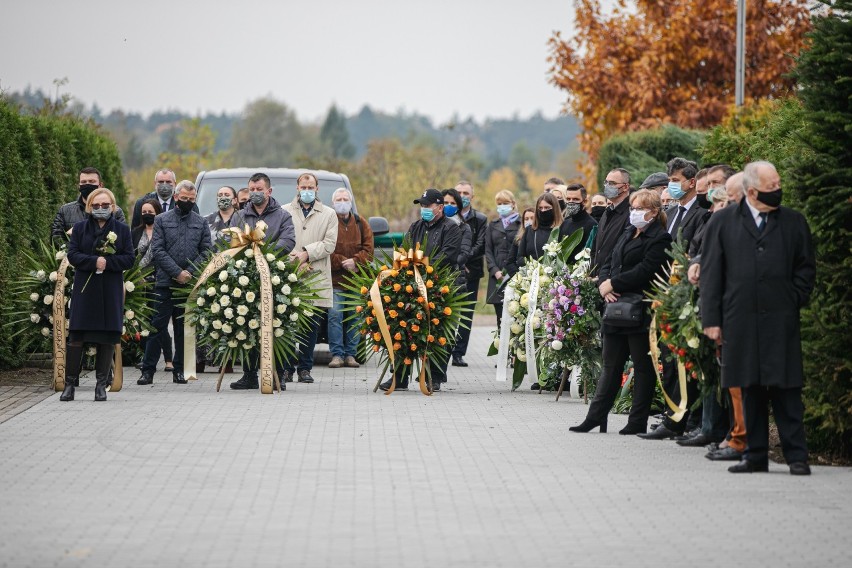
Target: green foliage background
x,y
40,156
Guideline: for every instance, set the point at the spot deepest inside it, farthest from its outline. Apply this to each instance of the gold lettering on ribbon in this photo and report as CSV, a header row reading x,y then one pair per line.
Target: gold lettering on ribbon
x,y
267,351
678,409
60,327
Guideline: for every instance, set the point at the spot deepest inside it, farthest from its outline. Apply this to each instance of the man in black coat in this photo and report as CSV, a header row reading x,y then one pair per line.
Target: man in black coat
x,y
757,272
443,242
473,270
576,217
72,213
164,187
615,218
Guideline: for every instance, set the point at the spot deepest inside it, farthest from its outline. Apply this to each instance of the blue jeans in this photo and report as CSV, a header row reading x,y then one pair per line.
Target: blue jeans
x,y
306,347
343,336
165,308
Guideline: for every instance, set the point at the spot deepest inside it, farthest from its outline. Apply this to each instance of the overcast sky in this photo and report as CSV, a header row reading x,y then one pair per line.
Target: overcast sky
x,y
435,57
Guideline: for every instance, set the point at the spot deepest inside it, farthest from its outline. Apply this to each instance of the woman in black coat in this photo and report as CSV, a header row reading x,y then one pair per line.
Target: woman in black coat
x,y
548,216
639,255
499,248
97,298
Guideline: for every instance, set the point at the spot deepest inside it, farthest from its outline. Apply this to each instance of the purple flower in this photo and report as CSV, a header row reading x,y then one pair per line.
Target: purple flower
x,y
571,322
561,288
580,311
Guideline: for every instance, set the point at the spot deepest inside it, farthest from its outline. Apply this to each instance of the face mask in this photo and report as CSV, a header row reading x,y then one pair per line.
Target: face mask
x,y
637,219
671,205
450,210
342,207
307,195
702,201
504,210
165,191
243,205
610,191
224,203
86,190
148,218
426,214
185,206
770,198
675,190
101,214
465,202
545,218
598,211
527,224
572,208
257,197
562,204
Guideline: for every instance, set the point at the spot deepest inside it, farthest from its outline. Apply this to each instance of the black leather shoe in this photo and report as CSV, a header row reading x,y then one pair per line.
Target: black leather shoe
x,y
746,466
179,378
436,386
77,381
145,380
68,392
535,387
385,386
695,442
689,435
725,454
655,426
100,392
305,377
800,468
589,425
459,361
247,384
632,429
660,433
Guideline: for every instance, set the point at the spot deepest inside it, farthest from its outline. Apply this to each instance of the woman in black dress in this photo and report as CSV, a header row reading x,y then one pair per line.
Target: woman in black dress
x,y
100,249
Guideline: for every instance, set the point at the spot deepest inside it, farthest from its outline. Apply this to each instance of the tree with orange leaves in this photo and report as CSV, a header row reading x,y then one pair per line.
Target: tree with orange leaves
x,y
670,61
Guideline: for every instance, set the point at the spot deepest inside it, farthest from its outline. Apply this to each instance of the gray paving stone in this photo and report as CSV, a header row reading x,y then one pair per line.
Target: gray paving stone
x,y
331,474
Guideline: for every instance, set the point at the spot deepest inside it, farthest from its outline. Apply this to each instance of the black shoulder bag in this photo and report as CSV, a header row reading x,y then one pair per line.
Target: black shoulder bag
x,y
627,311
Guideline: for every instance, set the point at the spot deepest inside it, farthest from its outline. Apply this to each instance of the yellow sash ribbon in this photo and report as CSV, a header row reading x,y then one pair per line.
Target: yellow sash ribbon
x,y
402,260
240,239
678,409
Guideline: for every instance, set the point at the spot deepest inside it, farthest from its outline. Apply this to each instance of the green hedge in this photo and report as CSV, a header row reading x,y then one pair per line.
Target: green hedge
x,y
41,158
646,151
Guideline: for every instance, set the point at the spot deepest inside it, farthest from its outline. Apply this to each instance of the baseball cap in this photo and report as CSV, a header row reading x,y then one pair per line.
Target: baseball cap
x,y
433,196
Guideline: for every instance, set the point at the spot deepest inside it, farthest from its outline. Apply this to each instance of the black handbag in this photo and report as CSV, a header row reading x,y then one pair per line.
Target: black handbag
x,y
627,311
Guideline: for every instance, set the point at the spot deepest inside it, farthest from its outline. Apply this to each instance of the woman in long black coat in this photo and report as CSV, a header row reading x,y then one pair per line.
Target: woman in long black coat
x,y
639,255
97,299
548,216
499,248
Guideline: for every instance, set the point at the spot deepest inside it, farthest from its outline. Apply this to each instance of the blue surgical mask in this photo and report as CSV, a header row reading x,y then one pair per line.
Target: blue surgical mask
x,y
450,210
675,190
307,195
427,214
465,202
505,210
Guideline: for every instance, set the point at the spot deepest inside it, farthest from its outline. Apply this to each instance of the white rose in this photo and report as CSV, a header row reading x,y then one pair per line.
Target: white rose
x,y
525,299
214,308
280,265
516,328
200,301
35,318
45,332
556,345
129,286
243,280
229,313
513,307
217,324
241,336
223,275
693,342
285,290
521,355
52,276
41,275
48,300
226,328
236,293
241,320
270,257
34,297
225,300
292,277
278,332
224,288
203,322
281,308
145,333
211,291
276,322
294,316
240,264
253,324
276,280
129,314
250,297
496,342
233,344
214,334
296,301
242,310
536,323
249,253
50,319
248,346
60,255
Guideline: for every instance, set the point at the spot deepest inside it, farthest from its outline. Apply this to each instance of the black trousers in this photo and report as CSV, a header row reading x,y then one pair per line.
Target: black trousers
x,y
789,411
438,370
692,418
616,349
463,335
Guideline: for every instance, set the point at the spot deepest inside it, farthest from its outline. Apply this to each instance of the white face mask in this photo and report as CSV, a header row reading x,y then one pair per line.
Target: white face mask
x,y
637,218
342,207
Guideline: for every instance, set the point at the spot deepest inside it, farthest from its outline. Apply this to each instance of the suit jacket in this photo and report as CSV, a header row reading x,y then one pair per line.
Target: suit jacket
x,y
137,207
691,223
611,226
753,285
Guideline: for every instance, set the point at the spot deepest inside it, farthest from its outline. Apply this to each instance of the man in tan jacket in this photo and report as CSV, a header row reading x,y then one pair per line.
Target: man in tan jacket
x,y
316,238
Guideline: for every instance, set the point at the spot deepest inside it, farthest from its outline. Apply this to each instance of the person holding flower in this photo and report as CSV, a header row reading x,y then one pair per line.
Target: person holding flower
x,y
100,249
638,257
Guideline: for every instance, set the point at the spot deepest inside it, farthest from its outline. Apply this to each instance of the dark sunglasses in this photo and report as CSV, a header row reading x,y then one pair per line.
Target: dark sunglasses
x,y
101,205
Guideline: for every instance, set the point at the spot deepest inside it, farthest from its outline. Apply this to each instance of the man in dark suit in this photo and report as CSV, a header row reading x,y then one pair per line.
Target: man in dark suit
x,y
759,258
164,188
615,218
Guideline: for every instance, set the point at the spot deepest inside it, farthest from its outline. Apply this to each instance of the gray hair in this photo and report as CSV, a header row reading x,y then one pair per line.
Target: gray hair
x,y
339,189
751,173
625,175
467,183
185,185
165,171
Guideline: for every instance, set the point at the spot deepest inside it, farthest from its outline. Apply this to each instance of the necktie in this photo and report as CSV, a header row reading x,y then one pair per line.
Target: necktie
x,y
165,206
762,224
677,219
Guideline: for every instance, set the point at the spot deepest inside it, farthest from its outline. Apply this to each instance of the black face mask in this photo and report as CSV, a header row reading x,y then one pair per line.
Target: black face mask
x,y
702,201
184,206
770,198
545,218
86,190
243,204
148,218
562,204
597,212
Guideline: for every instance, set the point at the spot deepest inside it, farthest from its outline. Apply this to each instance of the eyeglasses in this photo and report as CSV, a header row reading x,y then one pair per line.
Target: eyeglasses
x,y
613,183
642,209
101,205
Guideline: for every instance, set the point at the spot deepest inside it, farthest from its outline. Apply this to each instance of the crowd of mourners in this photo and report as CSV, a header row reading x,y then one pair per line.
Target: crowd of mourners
x,y
750,258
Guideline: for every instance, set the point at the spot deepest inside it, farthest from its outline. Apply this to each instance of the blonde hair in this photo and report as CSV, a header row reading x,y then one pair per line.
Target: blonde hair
x,y
97,192
648,199
562,188
504,195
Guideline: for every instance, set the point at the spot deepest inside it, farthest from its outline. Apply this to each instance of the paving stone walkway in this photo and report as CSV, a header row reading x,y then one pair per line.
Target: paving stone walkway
x,y
331,474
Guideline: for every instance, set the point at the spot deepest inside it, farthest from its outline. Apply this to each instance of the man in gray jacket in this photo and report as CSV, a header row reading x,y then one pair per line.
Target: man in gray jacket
x,y
180,243
74,212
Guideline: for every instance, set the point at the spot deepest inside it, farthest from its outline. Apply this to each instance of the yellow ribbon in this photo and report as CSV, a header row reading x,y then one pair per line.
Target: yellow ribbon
x,y
240,239
678,409
402,260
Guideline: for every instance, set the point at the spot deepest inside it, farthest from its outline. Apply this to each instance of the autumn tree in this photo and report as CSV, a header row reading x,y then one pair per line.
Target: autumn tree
x,y
670,61
268,134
